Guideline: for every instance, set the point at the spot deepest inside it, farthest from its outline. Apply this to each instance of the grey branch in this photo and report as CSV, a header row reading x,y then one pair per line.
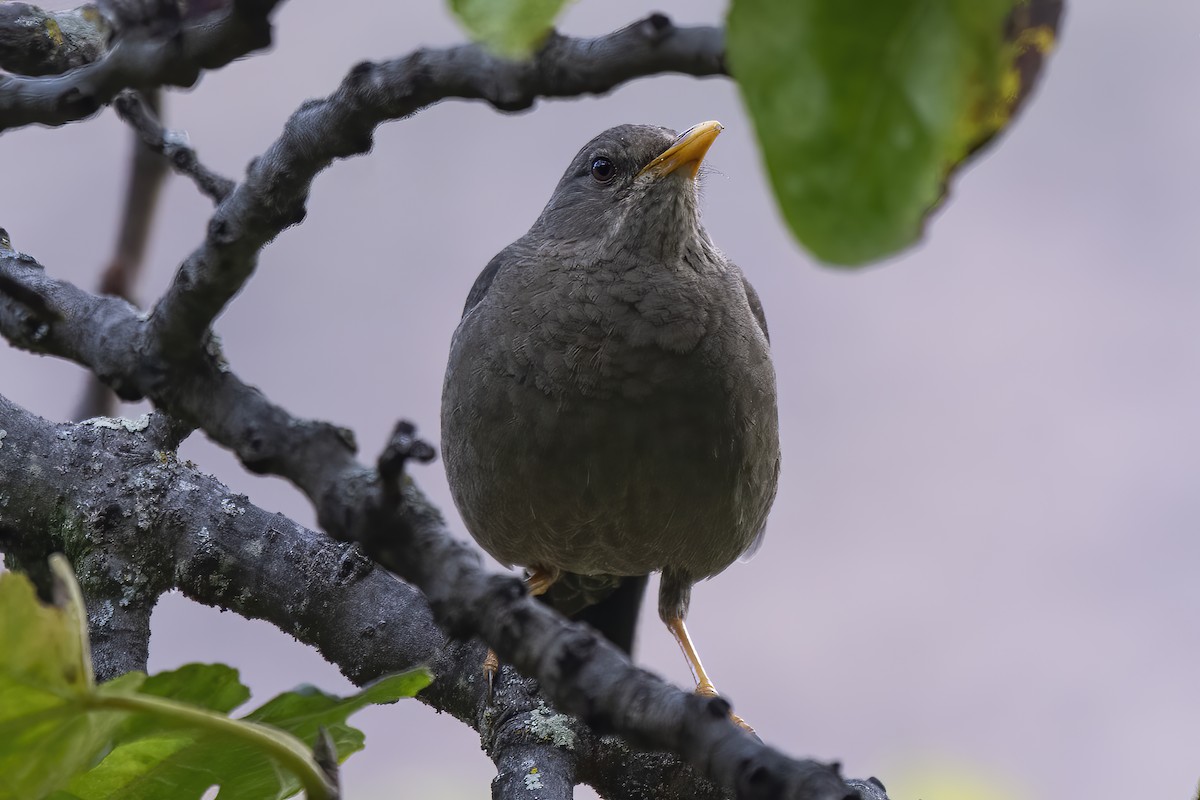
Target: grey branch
x,y
581,673
36,41
326,756
144,54
272,197
528,768
172,144
118,619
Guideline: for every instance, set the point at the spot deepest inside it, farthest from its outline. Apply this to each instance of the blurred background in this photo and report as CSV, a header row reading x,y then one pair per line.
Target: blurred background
x,y
981,568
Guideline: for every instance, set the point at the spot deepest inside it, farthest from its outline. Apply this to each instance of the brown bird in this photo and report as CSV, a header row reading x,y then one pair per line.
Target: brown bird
x,y
609,407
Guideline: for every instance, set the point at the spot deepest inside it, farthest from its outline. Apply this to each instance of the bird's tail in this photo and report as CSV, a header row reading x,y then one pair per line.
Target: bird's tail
x,y
616,616
609,604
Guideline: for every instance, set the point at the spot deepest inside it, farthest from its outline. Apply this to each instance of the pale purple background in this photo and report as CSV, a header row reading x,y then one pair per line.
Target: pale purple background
x,y
984,553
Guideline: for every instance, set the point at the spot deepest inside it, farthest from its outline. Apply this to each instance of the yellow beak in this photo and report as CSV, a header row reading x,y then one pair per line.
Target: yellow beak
x,y
686,151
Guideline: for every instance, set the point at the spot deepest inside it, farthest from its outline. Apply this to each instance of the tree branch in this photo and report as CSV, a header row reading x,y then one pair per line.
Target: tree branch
x,y
34,41
170,51
533,769
143,118
118,617
272,197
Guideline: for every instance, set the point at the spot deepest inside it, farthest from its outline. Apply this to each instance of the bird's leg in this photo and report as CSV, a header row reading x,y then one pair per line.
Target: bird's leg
x,y
538,581
674,595
704,684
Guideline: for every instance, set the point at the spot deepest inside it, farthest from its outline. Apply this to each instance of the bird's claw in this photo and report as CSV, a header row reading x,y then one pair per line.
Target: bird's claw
x,y
741,723
491,665
706,689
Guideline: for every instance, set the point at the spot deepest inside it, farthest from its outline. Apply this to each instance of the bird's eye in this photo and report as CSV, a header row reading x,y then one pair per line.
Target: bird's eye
x,y
603,170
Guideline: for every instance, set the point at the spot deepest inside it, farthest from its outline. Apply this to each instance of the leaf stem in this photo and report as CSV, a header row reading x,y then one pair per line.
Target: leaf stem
x,y
286,749
69,597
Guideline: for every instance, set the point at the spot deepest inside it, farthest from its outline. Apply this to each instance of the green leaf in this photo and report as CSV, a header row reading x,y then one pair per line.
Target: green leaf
x,y
863,110
155,764
302,711
165,736
46,734
512,28
212,686
215,687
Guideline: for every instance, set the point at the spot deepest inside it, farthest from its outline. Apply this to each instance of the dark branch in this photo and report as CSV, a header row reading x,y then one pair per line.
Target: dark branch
x,y
146,175
531,769
171,144
273,195
870,789
35,41
119,620
144,54
326,756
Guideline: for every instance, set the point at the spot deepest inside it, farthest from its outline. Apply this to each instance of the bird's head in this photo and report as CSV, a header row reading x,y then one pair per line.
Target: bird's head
x,y
631,191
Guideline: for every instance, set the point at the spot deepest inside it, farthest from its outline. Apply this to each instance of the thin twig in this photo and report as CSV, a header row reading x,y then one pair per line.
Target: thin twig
x,y
147,173
144,54
171,144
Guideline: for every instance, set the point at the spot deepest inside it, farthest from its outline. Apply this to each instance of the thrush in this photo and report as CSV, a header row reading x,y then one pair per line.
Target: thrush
x,y
609,407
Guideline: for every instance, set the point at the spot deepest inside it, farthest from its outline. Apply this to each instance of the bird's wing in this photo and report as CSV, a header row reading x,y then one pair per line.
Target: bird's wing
x,y
480,288
760,316
756,306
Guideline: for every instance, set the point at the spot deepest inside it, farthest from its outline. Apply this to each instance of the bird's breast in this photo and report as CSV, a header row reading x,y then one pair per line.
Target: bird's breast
x,y
607,333
611,423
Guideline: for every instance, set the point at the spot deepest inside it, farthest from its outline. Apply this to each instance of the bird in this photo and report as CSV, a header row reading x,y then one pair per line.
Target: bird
x,y
609,407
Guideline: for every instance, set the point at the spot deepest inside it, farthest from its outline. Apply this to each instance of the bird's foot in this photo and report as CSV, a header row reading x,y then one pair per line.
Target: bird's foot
x,y
491,665
537,582
706,689
540,579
